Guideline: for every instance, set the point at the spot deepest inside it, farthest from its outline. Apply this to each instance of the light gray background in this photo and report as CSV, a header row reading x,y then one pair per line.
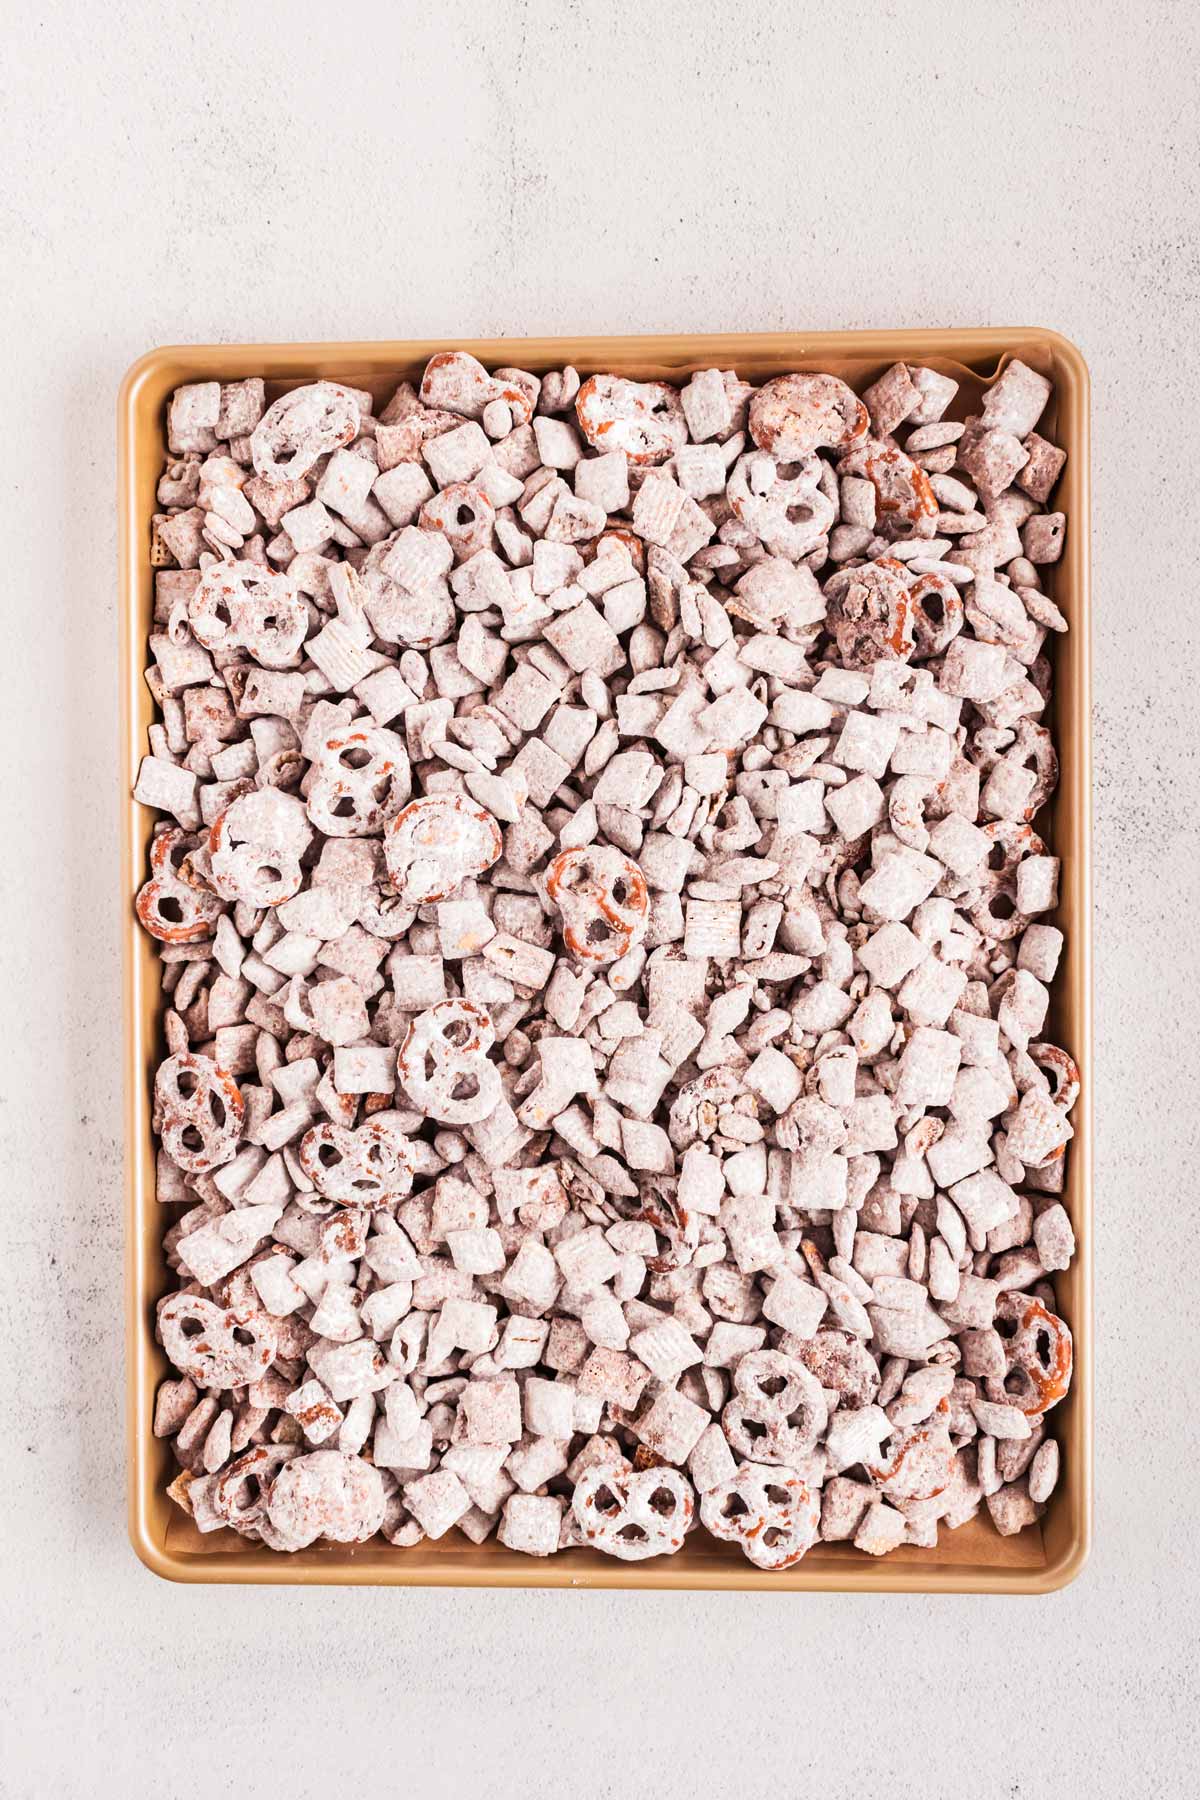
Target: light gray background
x,y
280,171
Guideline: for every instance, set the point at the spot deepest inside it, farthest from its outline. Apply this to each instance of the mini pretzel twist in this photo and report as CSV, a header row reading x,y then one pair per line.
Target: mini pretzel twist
x,y
767,1510
255,846
302,425
778,1410
357,1168
198,1112
796,414
436,842
241,606
602,899
360,781
217,1347
171,908
635,1514
642,418
444,1063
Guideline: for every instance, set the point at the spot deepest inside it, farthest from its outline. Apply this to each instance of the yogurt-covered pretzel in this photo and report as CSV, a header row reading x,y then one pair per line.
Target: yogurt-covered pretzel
x,y
326,1494
642,418
781,502
242,606
436,842
198,1112
255,847
602,898
870,613
796,414
768,1510
444,1064
360,781
357,1168
1039,1351
301,426
171,909
216,1346
778,1410
634,1514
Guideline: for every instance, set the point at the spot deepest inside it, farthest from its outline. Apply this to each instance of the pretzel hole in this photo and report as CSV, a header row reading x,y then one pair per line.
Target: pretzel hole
x,y
800,514
190,1139
247,1494
465,1088
185,1083
354,757
343,808
191,1328
1042,1347
773,1535
754,1428
242,1336
1002,906
778,1496
771,1385
268,872
597,931
216,1107
606,1501
934,609
170,909
1006,1327
221,612
329,1156
733,1507
464,514
662,1501
456,1032
620,891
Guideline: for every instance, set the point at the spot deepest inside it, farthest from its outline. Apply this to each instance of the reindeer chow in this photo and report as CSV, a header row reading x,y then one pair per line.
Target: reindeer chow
x,y
607,942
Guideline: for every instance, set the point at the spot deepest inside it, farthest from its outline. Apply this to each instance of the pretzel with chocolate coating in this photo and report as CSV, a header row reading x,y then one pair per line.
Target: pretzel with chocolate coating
x,y
768,1510
367,1167
198,1112
642,418
360,781
634,1514
217,1347
444,1064
793,415
435,843
602,898
242,606
301,426
171,908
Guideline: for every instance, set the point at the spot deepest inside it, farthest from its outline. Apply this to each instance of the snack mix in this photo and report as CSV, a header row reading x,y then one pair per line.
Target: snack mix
x,y
604,933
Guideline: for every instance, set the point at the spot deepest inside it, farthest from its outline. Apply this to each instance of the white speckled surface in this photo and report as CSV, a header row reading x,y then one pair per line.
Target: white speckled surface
x,y
308,171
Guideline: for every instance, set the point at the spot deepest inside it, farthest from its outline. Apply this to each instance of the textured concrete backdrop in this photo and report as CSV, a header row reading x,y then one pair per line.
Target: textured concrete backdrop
x,y
384,170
